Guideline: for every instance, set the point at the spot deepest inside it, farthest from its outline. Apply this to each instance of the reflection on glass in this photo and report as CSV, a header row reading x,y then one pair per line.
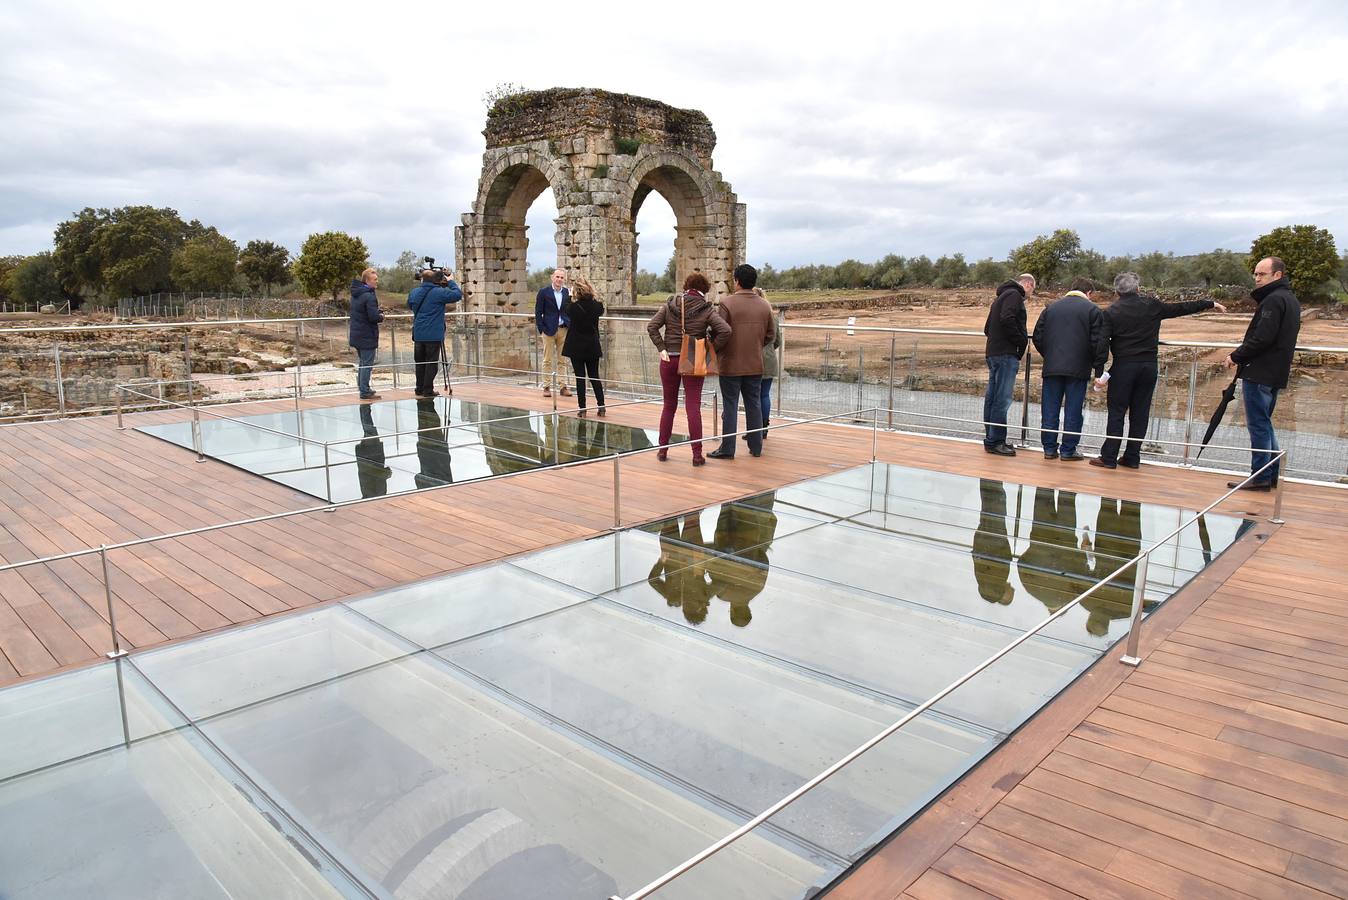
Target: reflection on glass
x,y
749,524
371,472
1118,537
680,574
432,446
991,548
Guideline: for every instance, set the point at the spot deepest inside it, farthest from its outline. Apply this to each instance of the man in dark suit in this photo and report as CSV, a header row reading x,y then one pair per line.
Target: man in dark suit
x,y
552,324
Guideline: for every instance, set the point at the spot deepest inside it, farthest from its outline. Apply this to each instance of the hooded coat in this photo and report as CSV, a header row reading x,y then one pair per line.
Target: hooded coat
x,y
427,302
363,333
1005,327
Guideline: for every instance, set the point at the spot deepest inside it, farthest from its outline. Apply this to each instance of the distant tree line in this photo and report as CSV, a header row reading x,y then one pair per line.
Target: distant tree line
x,y
105,254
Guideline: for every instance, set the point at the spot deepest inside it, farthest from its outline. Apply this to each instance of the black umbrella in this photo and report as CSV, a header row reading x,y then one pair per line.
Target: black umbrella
x,y
1227,396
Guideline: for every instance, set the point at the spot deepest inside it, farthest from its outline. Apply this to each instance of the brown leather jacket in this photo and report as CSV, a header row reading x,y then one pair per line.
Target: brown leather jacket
x,y
751,329
701,318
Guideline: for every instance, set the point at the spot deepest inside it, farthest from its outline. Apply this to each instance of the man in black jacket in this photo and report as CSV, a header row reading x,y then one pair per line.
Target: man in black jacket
x,y
1265,361
1073,339
1007,338
1134,334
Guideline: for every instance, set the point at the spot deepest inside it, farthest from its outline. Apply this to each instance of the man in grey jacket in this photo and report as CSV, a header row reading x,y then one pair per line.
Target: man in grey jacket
x,y
1073,338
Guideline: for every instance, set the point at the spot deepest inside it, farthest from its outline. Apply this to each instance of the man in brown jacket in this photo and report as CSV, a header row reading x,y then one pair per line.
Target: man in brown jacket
x,y
751,328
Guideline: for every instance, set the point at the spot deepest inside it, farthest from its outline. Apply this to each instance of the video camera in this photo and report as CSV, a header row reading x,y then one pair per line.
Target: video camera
x,y
442,273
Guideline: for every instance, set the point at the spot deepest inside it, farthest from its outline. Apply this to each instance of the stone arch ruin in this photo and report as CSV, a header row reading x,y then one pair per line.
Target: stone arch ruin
x,y
601,155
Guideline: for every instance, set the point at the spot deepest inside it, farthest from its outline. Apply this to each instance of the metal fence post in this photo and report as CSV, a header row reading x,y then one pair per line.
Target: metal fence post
x,y
861,377
60,385
781,364
716,413
120,390
617,495
893,349
299,366
477,343
1277,518
117,650
1130,656
875,438
1189,410
1025,403
196,433
327,475
393,351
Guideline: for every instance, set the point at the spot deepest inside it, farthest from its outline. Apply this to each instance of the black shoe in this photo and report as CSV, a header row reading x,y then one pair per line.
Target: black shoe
x,y
1264,486
1050,454
756,453
1103,463
1071,457
1129,465
720,454
1002,450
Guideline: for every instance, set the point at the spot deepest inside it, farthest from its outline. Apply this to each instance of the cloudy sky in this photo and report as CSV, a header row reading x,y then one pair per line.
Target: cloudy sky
x,y
850,130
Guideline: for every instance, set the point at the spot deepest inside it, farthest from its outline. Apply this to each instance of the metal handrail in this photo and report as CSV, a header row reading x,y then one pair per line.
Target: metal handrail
x,y
1138,586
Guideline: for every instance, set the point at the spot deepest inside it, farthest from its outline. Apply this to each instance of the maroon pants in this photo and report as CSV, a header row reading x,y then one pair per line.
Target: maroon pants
x,y
692,403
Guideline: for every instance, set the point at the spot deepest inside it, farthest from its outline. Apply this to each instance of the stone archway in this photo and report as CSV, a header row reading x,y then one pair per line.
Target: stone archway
x,y
601,154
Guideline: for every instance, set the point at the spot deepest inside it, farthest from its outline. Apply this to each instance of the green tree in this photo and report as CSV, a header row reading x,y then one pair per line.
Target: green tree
x,y
1047,255
850,273
328,261
8,265
646,283
1343,272
951,271
668,281
207,262
35,280
121,252
1154,269
1308,252
921,270
263,263
989,272
1222,267
1087,264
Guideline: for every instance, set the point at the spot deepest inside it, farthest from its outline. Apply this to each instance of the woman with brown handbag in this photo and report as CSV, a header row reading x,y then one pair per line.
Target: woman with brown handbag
x,y
687,330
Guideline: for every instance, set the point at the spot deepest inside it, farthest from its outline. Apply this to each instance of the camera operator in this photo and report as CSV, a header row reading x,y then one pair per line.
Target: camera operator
x,y
427,302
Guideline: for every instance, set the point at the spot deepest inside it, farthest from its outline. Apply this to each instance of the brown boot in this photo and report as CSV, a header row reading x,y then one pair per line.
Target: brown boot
x,y
566,391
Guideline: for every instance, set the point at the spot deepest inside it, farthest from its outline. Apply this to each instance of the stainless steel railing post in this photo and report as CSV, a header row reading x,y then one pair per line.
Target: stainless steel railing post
x,y
120,391
716,413
893,349
196,433
1277,518
875,438
1130,657
327,475
393,350
1189,410
60,384
781,362
617,494
112,613
1025,403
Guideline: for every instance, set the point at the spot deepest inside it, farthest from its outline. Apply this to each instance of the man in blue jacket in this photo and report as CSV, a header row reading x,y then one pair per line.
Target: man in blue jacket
x,y
364,328
552,321
427,302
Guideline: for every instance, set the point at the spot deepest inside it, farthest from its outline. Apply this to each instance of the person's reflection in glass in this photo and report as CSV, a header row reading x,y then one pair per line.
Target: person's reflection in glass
x,y
511,445
679,575
991,549
746,529
371,472
432,446
1053,568
1118,538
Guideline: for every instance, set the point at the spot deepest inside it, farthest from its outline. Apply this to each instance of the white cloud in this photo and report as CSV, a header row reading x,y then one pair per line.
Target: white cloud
x,y
849,130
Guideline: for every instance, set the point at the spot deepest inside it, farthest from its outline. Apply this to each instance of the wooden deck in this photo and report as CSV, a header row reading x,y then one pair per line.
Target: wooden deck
x,y
1217,768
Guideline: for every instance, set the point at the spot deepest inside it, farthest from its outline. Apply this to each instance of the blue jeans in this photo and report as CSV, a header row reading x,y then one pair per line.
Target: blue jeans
x,y
1059,390
732,386
1260,399
365,360
997,400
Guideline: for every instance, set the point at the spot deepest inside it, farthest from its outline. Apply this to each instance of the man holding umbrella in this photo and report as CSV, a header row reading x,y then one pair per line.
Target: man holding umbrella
x,y
1264,358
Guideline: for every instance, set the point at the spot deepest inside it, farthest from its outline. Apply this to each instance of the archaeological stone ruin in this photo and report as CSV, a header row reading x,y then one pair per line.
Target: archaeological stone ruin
x,y
601,154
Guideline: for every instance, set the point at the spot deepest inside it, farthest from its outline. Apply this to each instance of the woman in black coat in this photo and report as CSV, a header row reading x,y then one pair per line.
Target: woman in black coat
x,y
582,342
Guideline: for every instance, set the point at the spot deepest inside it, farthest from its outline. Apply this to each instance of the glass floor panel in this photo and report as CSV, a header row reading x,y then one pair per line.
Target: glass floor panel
x,y
573,723
374,449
